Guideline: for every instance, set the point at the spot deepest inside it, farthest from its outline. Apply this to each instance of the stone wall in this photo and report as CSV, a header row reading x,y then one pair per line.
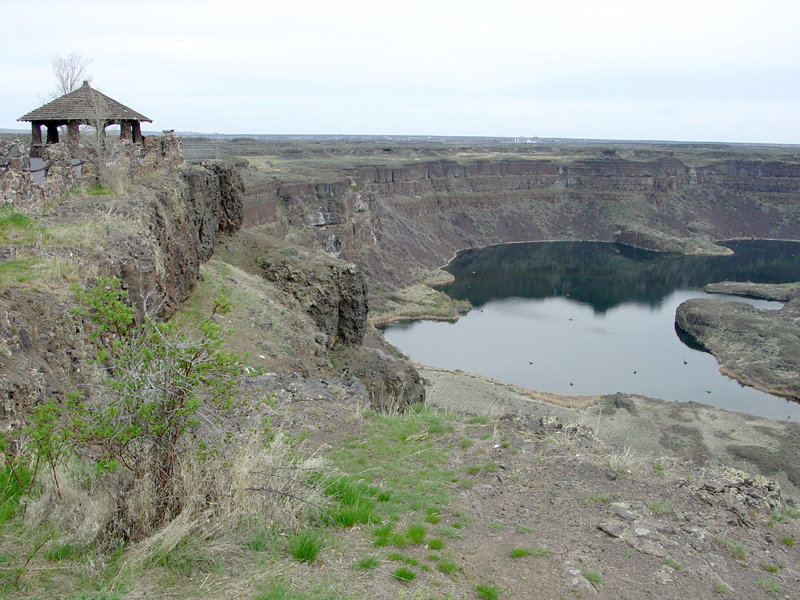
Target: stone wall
x,y
64,167
15,176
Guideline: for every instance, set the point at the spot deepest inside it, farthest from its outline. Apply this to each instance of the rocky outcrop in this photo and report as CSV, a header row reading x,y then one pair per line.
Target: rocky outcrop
x,y
334,295
154,237
779,292
393,384
759,348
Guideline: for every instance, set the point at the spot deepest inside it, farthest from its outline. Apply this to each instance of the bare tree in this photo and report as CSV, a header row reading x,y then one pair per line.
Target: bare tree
x,y
70,73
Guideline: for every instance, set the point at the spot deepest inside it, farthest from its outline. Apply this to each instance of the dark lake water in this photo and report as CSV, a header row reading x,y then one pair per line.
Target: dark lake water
x,y
593,318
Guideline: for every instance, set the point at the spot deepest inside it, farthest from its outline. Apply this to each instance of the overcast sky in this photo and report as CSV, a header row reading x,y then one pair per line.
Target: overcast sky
x,y
699,70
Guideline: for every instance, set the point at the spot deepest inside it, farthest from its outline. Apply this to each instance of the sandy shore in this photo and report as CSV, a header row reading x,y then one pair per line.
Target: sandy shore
x,y
710,436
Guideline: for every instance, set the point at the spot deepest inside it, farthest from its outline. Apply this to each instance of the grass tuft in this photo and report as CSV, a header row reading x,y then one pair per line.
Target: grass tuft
x,y
367,563
305,544
593,577
487,592
404,575
416,534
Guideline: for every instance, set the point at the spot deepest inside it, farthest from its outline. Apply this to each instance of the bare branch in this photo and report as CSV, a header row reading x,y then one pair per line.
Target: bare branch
x,y
70,72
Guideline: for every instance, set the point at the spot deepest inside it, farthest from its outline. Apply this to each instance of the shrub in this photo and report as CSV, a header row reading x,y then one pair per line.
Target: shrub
x,y
159,377
140,421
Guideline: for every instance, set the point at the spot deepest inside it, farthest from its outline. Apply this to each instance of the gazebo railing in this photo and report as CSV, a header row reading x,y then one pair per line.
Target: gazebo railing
x,y
201,152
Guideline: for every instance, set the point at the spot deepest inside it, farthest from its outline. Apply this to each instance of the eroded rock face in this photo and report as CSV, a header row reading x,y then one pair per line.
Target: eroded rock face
x,y
759,348
156,238
334,295
393,384
390,220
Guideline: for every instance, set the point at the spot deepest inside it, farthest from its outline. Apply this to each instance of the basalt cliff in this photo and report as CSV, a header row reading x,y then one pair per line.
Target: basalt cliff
x,y
396,217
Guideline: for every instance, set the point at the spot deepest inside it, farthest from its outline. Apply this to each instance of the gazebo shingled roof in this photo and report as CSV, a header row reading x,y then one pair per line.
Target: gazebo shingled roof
x,y
83,106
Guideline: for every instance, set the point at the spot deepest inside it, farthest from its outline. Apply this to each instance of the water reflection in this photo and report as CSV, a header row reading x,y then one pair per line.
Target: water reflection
x,y
589,318
605,275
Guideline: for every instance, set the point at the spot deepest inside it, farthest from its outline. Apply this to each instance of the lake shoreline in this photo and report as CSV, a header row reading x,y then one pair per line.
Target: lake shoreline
x,y
649,426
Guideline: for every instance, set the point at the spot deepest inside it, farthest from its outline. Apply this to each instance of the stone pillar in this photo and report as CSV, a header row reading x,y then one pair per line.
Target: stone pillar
x,y
137,132
52,133
36,140
125,132
73,133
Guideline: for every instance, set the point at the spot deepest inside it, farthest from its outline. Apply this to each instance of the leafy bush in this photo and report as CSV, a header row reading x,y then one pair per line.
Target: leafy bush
x,y
139,421
159,377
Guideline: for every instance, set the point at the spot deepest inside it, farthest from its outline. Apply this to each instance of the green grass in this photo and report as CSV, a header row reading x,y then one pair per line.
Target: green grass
x,y
186,559
788,540
262,539
593,577
773,587
769,567
448,567
658,507
282,591
100,190
487,592
13,486
435,544
383,534
737,550
367,563
416,534
673,563
464,443
520,552
354,502
397,557
305,544
64,551
393,450
404,575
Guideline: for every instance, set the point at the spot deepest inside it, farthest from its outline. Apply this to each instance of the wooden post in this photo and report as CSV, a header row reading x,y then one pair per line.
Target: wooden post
x,y
36,140
36,133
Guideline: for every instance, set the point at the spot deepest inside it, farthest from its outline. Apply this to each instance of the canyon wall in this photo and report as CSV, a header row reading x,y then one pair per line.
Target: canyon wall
x,y
394,219
154,237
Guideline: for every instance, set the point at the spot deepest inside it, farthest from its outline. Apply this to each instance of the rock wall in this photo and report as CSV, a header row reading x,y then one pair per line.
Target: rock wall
x,y
157,236
334,295
64,167
392,219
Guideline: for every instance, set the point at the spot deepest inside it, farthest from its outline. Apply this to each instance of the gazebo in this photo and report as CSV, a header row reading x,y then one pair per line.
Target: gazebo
x,y
84,106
